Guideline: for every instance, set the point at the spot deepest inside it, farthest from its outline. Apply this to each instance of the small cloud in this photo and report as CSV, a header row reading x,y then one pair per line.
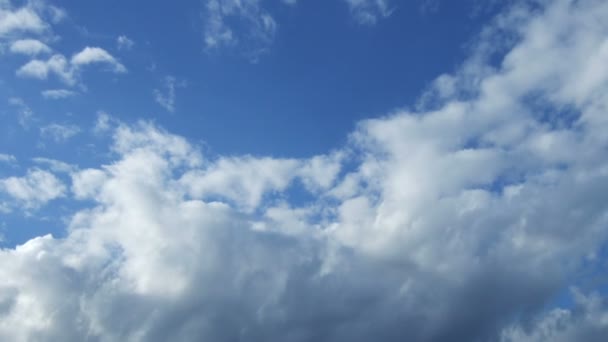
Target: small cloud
x,y
55,165
59,133
124,43
92,55
22,20
34,189
57,94
7,158
24,113
40,69
167,99
29,47
104,122
368,12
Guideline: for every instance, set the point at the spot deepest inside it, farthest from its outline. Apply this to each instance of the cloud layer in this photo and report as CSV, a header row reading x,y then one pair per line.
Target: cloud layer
x,y
461,220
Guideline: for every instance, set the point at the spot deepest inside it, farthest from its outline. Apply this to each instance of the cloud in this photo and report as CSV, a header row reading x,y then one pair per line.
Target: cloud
x,y
94,55
25,115
124,43
368,12
20,20
167,99
68,71
59,133
30,47
256,26
56,65
34,189
7,158
461,220
56,94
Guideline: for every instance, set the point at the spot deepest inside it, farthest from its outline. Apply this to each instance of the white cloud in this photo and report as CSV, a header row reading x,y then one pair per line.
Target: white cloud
x,y
124,43
7,158
93,55
58,132
259,26
25,115
34,189
167,99
412,229
54,165
21,20
40,69
103,123
30,47
368,12
68,71
56,94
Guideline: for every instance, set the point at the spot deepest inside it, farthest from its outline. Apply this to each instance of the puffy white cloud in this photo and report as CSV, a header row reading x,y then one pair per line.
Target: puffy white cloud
x,y
34,189
93,55
459,221
68,71
41,69
20,20
29,47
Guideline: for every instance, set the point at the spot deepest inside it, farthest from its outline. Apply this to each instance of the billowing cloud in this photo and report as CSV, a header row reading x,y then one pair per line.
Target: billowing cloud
x,y
34,189
461,220
20,20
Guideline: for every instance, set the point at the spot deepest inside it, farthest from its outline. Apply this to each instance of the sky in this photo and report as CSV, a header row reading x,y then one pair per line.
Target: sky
x,y
304,170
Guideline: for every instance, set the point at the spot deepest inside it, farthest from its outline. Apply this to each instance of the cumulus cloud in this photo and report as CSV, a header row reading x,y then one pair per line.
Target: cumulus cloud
x,y
33,190
93,55
29,47
459,221
21,20
68,71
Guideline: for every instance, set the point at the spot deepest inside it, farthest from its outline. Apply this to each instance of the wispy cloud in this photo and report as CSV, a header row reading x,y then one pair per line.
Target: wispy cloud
x,y
59,133
124,43
25,115
368,12
166,98
56,94
254,37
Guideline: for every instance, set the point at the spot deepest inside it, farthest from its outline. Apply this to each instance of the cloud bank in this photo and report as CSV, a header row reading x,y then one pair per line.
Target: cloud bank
x,y
461,220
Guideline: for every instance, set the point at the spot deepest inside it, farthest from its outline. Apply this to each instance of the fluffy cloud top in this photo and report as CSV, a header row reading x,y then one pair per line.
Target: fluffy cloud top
x,y
461,220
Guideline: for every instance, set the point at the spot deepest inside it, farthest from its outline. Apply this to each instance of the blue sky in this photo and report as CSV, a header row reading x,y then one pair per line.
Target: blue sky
x,y
297,170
